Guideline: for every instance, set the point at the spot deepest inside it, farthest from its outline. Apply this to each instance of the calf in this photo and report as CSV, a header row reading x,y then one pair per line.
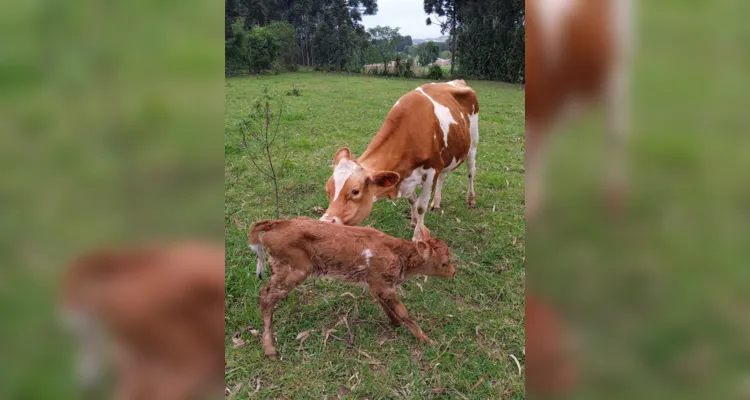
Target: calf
x,y
577,55
156,312
304,247
428,133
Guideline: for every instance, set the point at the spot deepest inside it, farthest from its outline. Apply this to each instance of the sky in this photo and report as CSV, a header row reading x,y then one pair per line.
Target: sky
x,y
408,15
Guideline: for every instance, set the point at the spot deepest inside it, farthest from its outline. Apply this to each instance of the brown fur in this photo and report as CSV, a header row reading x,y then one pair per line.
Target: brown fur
x,y
160,309
410,137
302,248
589,51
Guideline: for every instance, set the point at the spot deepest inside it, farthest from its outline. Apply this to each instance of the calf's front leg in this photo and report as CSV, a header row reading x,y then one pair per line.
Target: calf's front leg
x,y
389,300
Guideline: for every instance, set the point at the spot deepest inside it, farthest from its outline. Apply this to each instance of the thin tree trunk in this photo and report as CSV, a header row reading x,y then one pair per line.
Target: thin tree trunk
x,y
270,162
453,41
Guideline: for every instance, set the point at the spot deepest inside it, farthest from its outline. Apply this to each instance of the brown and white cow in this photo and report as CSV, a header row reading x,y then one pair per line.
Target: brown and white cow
x,y
155,314
304,247
427,134
577,55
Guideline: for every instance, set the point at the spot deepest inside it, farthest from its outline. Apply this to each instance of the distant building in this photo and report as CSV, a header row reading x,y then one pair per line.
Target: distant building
x,y
443,61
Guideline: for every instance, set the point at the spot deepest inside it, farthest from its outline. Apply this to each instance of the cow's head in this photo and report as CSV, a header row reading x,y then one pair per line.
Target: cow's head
x,y
352,189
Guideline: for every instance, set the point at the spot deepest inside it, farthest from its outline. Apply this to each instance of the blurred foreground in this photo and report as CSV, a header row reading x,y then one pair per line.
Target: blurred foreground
x,y
153,316
655,300
110,121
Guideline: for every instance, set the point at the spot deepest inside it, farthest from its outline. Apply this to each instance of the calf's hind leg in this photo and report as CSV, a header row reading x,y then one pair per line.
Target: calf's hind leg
x,y
284,279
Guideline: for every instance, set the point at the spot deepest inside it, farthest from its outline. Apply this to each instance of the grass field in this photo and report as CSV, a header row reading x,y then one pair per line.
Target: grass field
x,y
477,319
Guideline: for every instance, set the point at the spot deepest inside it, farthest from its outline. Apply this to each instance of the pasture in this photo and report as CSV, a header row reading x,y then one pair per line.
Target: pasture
x,y
477,319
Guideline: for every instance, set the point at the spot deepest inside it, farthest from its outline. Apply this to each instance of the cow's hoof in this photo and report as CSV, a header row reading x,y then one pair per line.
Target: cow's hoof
x,y
471,200
271,355
433,208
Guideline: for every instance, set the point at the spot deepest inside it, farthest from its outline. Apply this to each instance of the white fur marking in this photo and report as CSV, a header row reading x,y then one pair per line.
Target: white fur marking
x,y
409,184
443,115
552,15
368,255
452,83
474,129
451,167
341,174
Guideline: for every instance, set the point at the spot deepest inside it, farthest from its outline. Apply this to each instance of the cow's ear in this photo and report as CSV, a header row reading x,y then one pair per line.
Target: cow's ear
x,y
385,179
424,249
342,154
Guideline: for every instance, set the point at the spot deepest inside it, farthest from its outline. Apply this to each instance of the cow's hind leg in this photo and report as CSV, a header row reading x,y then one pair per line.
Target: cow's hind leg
x,y
284,279
471,162
438,190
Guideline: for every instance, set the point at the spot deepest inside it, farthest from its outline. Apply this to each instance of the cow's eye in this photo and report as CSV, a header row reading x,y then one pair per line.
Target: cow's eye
x,y
355,192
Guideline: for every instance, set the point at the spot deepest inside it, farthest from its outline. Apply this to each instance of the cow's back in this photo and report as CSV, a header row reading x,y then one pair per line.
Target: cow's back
x,y
570,49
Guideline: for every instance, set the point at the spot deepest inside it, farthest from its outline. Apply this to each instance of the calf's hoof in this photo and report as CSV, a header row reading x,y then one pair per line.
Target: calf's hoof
x,y
434,208
425,340
471,200
271,354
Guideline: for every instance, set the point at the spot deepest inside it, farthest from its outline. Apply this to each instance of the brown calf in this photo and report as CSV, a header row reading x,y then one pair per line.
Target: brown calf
x,y
157,313
428,133
577,55
304,247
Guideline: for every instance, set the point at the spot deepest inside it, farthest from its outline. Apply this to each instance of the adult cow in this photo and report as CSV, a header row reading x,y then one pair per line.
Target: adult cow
x,y
428,133
577,56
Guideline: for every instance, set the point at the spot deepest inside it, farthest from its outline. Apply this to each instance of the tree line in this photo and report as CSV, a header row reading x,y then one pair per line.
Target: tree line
x,y
486,38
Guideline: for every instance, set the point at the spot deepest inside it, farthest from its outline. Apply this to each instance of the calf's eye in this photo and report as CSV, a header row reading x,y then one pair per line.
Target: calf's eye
x,y
355,192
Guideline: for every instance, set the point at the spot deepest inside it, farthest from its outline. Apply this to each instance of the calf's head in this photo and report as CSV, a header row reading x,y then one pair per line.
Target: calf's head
x,y
436,255
352,189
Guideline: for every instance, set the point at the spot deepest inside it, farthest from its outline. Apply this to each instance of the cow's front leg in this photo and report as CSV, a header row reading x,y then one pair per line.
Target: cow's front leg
x,y
413,202
428,181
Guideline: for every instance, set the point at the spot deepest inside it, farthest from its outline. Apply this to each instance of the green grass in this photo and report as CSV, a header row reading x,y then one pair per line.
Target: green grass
x,y
477,319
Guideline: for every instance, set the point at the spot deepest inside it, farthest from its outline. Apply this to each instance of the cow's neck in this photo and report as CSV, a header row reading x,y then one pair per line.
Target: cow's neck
x,y
385,153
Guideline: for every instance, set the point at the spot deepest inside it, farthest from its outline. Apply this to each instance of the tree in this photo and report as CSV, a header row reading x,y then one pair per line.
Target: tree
x,y
285,43
403,42
445,54
448,10
428,53
261,49
384,39
262,125
492,39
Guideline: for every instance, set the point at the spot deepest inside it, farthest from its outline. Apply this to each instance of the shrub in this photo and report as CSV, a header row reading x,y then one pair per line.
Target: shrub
x,y
294,91
435,72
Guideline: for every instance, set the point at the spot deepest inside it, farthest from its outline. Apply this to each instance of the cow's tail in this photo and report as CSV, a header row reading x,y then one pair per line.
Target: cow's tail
x,y
256,244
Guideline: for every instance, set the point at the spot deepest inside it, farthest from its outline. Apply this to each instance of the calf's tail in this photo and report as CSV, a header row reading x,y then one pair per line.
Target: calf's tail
x,y
257,246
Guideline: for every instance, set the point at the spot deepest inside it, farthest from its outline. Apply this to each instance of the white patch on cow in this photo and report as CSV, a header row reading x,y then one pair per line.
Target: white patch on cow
x,y
452,83
374,198
368,255
474,129
553,14
443,115
409,184
395,104
341,174
452,166
462,115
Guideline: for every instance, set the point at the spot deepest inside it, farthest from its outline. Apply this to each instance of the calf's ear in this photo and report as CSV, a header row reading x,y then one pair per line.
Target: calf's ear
x,y
424,249
385,179
341,155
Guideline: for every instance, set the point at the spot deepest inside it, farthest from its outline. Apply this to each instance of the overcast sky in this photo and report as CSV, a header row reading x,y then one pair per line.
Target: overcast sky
x,y
408,15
